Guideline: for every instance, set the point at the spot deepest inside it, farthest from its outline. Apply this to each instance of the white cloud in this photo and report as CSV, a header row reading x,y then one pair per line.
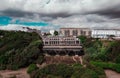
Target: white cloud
x,y
57,6
17,27
62,13
91,20
20,27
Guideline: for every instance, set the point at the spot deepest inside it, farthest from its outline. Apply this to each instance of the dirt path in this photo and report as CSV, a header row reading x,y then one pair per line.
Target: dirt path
x,y
112,74
18,74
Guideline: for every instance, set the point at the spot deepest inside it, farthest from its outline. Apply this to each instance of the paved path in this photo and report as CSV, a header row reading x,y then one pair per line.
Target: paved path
x,y
18,74
112,74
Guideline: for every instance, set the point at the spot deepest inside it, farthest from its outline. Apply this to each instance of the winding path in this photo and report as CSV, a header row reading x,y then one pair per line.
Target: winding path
x,y
18,74
112,74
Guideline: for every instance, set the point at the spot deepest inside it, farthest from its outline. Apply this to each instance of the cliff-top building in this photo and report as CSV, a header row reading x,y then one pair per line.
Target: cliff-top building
x,y
75,31
105,33
62,45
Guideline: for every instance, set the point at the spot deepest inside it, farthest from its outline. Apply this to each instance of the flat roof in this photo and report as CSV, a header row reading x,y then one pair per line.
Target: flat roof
x,y
74,28
106,29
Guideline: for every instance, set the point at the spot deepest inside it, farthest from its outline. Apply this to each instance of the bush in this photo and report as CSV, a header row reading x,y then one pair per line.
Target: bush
x,y
13,67
56,70
31,68
117,60
40,59
89,74
27,49
113,66
78,73
66,71
113,51
98,70
82,38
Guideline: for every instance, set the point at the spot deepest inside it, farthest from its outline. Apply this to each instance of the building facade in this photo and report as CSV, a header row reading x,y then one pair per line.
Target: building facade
x,y
61,41
62,45
75,31
105,33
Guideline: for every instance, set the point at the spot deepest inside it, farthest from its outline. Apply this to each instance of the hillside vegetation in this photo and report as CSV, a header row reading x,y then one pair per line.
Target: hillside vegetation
x,y
102,53
19,49
102,50
99,55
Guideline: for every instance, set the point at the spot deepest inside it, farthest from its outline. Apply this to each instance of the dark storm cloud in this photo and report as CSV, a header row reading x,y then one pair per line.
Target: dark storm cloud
x,y
30,15
15,13
110,13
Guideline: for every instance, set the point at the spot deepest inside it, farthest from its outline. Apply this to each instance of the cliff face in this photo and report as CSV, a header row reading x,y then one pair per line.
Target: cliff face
x,y
18,49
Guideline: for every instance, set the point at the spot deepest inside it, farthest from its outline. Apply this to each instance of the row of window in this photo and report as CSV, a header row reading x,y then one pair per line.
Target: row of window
x,y
75,32
61,42
60,39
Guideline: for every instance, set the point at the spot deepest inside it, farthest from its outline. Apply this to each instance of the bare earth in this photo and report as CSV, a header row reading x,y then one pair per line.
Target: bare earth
x,y
18,74
112,74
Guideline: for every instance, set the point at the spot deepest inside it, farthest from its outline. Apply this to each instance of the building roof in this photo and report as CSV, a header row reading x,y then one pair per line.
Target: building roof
x,y
106,28
74,28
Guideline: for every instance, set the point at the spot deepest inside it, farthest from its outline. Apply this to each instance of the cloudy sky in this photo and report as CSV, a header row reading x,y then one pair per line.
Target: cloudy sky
x,y
54,14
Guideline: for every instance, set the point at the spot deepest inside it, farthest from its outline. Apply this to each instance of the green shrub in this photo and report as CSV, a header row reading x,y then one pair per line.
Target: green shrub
x,y
64,70
56,70
68,71
82,38
40,59
117,60
31,68
13,67
19,49
52,76
89,74
98,70
113,66
78,73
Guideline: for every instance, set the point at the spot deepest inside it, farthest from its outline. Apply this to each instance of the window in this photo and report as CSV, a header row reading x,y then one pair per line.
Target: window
x,y
75,32
67,33
46,42
83,33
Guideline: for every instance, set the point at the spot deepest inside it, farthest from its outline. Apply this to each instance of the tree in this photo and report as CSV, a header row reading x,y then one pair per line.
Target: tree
x,y
82,38
55,33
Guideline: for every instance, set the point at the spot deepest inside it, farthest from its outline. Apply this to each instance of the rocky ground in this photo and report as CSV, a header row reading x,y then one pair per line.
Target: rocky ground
x,y
62,59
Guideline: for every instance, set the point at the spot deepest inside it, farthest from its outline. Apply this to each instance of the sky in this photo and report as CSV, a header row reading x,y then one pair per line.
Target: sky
x,y
55,14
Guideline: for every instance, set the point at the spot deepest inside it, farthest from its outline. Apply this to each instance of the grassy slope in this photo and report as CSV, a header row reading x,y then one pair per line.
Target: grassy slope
x,y
18,49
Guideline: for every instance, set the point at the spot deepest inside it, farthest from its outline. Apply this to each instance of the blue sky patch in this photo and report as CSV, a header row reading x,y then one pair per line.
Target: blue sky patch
x,y
4,20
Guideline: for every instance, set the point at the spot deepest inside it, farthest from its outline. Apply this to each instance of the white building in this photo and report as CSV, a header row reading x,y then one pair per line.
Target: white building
x,y
61,41
105,32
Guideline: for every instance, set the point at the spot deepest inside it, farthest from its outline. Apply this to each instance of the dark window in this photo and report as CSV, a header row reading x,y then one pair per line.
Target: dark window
x,y
67,33
75,32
